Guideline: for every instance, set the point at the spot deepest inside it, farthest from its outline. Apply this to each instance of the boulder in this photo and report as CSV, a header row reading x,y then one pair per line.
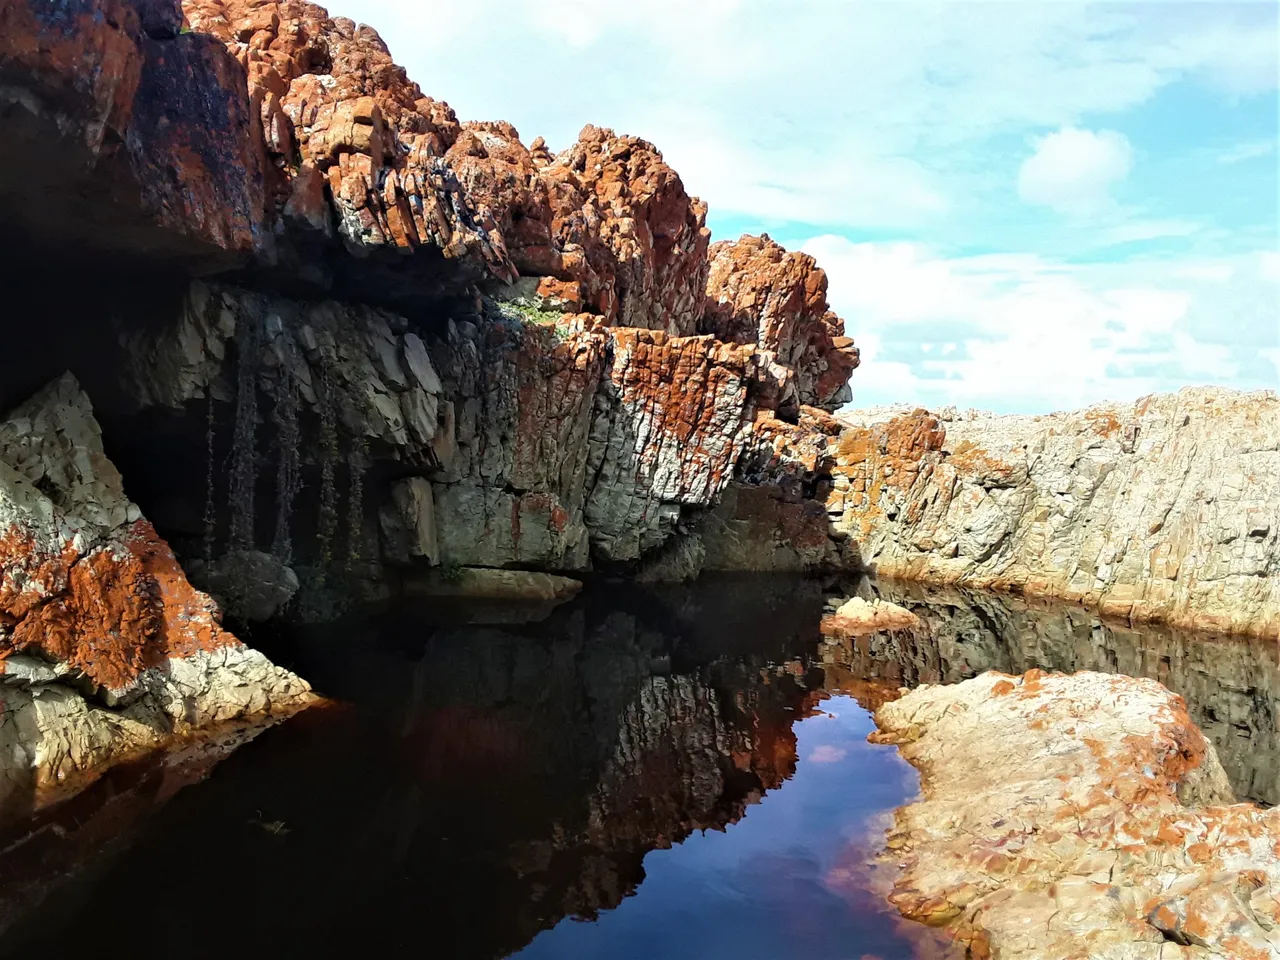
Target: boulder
x,y
857,617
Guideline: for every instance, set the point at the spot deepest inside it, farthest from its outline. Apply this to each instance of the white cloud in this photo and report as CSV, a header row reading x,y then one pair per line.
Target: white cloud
x,y
1073,170
850,114
1021,333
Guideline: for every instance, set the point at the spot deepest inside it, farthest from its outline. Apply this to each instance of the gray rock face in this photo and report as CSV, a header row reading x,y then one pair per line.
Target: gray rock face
x,y
516,443
1163,510
408,522
249,584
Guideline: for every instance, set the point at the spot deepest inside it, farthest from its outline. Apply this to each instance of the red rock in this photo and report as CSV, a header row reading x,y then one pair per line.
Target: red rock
x,y
759,293
329,90
129,139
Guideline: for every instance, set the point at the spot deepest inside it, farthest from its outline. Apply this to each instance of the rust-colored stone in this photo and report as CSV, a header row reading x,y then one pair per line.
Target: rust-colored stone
x,y
759,293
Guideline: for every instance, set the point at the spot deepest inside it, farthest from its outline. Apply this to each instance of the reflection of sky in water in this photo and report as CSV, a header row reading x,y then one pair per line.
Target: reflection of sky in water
x,y
763,890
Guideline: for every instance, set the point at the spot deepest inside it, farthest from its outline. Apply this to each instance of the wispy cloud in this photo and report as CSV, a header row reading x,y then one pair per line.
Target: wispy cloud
x,y
1018,332
1073,170
1247,151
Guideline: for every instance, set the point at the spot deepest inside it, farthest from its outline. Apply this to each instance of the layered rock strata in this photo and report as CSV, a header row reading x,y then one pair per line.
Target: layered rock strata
x,y
1164,510
106,651
1077,816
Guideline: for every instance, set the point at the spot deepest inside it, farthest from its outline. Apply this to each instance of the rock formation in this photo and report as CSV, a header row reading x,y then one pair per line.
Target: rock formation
x,y
1164,510
106,651
1077,816
757,292
124,136
358,334
1231,685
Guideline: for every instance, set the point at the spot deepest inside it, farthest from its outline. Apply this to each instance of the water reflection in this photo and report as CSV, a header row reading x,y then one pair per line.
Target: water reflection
x,y
488,782
1231,684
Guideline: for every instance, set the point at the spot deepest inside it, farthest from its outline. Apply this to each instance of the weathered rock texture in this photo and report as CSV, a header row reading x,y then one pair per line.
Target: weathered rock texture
x,y
124,136
1077,817
757,292
106,651
1164,510
502,356
1231,684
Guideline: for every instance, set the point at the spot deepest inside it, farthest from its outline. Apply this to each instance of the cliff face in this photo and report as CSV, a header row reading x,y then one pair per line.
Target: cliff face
x,y
1164,510
356,333
476,352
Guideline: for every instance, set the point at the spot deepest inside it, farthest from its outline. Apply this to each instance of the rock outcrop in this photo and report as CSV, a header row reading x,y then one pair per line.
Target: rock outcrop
x,y
757,292
106,651
1164,510
126,137
497,355
1077,816
1231,685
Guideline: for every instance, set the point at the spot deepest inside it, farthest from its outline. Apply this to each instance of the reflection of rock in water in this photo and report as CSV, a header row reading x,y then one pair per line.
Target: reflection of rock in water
x,y
489,781
1231,685
636,737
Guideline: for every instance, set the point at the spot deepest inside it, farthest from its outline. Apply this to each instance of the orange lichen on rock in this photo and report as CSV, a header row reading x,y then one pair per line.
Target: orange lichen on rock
x,y
106,648
125,608
1086,808
759,293
127,124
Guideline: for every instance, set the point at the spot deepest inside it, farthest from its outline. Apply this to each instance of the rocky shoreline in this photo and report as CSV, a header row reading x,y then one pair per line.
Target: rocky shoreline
x,y
1077,816
341,346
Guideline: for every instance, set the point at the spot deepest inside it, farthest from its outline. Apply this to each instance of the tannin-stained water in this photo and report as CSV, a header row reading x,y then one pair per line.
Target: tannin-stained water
x,y
649,772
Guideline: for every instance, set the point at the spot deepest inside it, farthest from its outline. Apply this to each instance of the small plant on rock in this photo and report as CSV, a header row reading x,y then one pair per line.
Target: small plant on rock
x,y
451,571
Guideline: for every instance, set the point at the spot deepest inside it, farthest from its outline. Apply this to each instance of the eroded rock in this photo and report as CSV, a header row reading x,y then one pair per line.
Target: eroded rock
x,y
1077,816
857,617
123,136
1164,510
757,292
114,652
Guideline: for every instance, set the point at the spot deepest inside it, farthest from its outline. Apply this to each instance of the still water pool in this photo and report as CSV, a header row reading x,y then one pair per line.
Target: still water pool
x,y
646,773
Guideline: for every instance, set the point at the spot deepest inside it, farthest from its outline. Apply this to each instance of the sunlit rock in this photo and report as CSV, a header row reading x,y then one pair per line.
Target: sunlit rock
x,y
1074,816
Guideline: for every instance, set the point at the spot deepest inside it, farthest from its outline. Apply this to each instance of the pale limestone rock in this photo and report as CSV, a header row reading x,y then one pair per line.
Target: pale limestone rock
x,y
361,360
1167,509
1056,821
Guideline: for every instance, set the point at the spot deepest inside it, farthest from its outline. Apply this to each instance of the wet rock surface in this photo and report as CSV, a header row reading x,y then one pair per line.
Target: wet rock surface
x,y
1164,510
1077,816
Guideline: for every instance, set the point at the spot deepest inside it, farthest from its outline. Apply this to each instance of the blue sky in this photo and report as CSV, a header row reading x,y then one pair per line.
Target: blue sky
x,y
1022,206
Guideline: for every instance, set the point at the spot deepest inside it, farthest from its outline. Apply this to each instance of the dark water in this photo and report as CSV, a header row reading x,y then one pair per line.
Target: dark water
x,y
648,773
